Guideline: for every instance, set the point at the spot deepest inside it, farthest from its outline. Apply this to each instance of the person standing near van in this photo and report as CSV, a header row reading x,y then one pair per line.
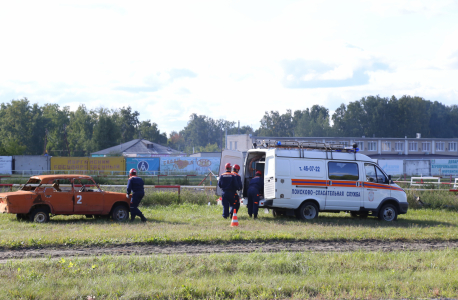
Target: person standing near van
x,y
136,186
238,180
255,190
228,185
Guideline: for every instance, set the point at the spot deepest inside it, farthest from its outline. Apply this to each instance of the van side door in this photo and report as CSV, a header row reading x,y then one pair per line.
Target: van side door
x,y
233,157
344,186
376,186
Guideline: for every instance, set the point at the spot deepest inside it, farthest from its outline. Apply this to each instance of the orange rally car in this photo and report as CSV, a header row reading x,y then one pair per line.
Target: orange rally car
x,y
63,195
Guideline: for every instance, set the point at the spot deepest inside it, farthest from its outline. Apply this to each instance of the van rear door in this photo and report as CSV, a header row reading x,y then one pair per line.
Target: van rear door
x,y
233,157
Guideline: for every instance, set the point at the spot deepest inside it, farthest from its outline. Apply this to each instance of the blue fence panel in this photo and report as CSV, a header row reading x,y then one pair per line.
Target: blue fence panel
x,y
143,164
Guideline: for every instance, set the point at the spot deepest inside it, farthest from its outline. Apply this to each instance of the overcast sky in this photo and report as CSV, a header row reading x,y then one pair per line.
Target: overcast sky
x,y
226,59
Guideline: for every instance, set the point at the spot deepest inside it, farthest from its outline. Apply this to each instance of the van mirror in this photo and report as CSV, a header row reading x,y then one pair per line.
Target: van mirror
x,y
389,178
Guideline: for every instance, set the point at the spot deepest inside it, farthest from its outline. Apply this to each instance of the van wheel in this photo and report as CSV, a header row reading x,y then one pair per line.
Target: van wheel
x,y
388,213
39,215
307,211
120,213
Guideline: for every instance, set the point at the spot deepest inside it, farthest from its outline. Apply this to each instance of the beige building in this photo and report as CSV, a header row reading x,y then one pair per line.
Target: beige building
x,y
369,146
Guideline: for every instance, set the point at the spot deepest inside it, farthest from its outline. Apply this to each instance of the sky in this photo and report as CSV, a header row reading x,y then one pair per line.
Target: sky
x,y
230,60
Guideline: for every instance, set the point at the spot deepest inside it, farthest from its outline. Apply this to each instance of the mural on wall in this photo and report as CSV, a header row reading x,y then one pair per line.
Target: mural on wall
x,y
392,167
444,166
99,165
196,165
6,164
143,165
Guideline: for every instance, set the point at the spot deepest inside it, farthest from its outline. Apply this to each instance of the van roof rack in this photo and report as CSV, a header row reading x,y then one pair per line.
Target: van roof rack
x,y
305,145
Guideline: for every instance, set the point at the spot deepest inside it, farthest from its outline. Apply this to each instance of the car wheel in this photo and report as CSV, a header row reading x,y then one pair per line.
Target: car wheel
x,y
89,216
39,215
120,213
307,211
275,213
388,213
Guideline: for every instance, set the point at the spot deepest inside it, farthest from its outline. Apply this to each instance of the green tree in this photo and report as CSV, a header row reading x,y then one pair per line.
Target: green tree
x,y
150,132
106,133
314,122
275,125
80,131
127,123
55,122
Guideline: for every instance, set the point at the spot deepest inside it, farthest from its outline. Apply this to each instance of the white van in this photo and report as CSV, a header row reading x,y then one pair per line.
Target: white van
x,y
306,178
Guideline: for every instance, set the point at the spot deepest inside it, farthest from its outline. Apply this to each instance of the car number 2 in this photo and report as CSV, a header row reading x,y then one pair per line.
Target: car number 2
x,y
78,199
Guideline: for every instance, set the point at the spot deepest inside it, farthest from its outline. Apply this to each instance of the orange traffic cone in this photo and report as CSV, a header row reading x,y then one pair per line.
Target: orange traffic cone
x,y
235,221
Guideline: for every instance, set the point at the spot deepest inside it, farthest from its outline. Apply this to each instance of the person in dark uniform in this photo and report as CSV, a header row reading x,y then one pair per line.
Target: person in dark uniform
x,y
255,190
228,185
136,186
238,180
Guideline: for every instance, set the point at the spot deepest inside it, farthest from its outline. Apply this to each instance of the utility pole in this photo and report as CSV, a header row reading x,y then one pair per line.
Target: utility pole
x,y
46,141
65,139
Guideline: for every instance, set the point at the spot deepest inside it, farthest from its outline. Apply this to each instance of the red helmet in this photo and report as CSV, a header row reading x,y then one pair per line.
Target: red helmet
x,y
236,167
132,172
258,173
228,166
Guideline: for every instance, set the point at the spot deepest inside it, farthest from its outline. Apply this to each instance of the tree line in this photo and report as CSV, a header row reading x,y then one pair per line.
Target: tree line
x,y
27,128
31,129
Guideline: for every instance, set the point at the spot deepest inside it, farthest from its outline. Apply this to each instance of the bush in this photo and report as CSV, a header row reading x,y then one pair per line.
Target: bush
x,y
161,197
434,198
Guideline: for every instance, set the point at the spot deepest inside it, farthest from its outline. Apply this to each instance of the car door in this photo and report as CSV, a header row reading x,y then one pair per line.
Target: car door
x,y
59,193
88,197
376,186
343,186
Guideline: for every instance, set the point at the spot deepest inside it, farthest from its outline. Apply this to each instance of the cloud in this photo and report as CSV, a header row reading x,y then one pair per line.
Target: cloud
x,y
181,73
158,81
409,7
138,89
300,73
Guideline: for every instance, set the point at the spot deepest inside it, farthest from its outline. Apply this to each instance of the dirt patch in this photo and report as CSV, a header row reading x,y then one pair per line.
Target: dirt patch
x,y
235,247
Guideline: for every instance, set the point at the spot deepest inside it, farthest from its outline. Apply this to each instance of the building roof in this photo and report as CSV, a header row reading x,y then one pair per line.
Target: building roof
x,y
140,148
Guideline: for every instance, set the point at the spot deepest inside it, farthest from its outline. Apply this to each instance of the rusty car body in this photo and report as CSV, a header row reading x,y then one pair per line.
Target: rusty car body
x,y
46,195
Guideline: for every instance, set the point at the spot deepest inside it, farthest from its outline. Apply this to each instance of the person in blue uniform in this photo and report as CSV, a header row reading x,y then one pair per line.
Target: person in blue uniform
x,y
136,186
238,180
255,190
228,185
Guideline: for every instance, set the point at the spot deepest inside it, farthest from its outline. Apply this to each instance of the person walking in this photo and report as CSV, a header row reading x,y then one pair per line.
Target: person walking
x,y
228,185
238,180
255,190
136,186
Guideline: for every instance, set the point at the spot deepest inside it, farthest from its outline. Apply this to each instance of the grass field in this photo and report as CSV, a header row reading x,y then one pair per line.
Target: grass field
x,y
188,219
194,223
353,275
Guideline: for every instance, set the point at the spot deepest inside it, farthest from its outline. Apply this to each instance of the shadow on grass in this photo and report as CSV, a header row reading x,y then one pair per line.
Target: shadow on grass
x,y
107,220
370,221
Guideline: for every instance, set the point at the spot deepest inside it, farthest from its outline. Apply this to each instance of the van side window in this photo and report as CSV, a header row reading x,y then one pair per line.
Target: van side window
x,y
343,171
374,174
